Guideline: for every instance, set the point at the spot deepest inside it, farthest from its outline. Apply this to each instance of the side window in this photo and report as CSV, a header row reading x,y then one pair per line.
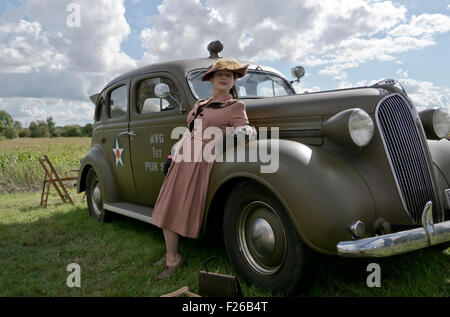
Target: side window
x,y
147,101
270,88
118,101
242,92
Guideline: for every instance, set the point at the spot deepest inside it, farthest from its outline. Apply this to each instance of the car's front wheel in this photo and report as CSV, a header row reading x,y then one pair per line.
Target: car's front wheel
x,y
261,242
94,196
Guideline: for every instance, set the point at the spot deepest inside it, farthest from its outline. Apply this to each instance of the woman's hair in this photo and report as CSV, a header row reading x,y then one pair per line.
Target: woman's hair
x,y
233,92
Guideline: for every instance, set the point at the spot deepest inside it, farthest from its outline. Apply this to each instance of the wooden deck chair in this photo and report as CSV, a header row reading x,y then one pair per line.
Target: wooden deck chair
x,y
52,177
180,292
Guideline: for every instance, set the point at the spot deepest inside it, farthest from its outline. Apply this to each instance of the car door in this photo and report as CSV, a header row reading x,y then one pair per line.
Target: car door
x,y
152,119
116,139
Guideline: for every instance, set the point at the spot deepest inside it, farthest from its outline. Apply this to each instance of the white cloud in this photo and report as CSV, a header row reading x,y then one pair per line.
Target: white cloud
x,y
25,47
264,30
334,35
95,45
49,69
42,37
423,25
341,80
63,111
425,94
401,72
300,89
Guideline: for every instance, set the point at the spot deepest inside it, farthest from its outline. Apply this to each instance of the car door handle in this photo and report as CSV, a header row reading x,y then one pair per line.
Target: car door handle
x,y
130,133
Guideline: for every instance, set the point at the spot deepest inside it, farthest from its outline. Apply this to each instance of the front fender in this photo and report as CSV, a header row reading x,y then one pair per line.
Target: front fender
x,y
440,152
321,193
95,158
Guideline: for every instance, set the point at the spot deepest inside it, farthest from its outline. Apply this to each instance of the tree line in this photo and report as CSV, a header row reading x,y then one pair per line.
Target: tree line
x,y
10,129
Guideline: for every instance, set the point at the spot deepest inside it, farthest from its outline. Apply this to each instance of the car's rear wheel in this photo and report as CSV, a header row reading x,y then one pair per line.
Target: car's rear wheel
x,y
94,195
261,242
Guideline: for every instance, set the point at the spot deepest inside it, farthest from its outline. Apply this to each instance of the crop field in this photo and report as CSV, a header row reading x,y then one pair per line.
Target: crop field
x,y
19,166
37,244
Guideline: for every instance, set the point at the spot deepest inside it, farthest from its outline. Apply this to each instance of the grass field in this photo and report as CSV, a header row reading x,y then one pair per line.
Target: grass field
x,y
37,244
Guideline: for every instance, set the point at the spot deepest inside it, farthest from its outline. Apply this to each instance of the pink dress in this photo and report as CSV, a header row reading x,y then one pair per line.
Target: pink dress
x,y
182,198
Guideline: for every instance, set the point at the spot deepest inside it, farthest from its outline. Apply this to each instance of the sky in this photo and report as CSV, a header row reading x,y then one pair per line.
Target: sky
x,y
54,54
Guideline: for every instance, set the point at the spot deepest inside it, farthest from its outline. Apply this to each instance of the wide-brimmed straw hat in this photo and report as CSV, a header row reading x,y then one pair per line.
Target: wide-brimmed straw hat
x,y
226,64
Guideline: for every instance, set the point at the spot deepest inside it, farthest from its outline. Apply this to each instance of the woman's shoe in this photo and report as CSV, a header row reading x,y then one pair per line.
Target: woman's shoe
x,y
159,262
168,270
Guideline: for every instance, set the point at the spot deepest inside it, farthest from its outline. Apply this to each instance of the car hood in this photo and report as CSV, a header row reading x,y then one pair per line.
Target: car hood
x,y
326,103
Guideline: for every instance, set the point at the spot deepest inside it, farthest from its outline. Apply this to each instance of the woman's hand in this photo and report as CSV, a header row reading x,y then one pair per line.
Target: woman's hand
x,y
167,164
248,131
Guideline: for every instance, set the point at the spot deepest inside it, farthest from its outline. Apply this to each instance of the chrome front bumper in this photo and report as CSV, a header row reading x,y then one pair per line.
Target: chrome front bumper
x,y
399,242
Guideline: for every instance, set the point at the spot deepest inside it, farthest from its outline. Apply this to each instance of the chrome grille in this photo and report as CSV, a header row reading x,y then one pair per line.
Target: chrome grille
x,y
407,156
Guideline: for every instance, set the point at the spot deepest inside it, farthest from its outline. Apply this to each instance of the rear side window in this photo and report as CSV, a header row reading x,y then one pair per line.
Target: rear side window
x,y
118,102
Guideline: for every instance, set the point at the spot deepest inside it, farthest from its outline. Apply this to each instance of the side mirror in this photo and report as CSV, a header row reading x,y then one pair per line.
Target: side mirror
x,y
162,90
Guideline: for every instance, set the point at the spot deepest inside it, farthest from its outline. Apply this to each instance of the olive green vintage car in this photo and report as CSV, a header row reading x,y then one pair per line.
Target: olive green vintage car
x,y
360,172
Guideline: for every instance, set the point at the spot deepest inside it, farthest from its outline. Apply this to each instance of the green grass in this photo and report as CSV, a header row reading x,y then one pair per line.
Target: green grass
x,y
37,244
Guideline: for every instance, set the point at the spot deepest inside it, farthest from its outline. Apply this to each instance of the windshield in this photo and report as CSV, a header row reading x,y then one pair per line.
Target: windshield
x,y
253,84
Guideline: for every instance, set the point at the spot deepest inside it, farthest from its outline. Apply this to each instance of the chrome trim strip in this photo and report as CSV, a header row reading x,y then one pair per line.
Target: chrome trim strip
x,y
128,213
399,242
298,133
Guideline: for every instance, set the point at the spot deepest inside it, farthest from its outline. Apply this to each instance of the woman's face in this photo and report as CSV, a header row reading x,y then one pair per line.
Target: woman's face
x,y
223,80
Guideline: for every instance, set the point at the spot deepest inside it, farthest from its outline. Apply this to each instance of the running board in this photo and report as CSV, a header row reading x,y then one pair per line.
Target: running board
x,y
131,210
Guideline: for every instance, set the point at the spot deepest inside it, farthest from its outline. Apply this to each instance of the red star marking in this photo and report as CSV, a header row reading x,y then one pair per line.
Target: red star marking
x,y
117,151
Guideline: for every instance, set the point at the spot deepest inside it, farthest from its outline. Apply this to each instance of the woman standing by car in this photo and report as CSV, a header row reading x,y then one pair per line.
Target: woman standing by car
x,y
179,209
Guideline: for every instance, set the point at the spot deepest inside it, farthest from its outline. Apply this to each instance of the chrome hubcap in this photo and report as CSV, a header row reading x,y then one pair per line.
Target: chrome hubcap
x,y
97,201
262,238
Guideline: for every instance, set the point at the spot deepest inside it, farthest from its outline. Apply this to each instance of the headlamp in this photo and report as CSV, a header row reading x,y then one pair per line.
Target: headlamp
x,y
436,123
351,128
